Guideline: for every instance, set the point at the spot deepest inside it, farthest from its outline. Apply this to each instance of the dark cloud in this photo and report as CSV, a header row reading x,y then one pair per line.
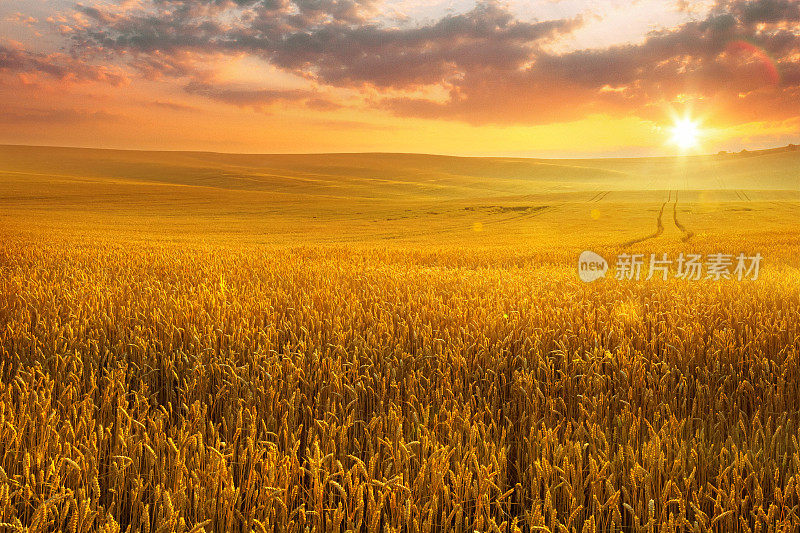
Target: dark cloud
x,y
491,66
243,97
158,65
96,13
398,58
333,42
740,48
58,66
766,11
260,99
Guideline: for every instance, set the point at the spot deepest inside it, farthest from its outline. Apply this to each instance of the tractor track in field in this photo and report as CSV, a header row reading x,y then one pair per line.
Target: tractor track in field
x,y
531,212
655,234
598,197
687,233
516,213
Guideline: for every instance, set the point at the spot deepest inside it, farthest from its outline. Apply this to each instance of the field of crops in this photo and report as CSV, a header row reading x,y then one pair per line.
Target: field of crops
x,y
330,389
152,381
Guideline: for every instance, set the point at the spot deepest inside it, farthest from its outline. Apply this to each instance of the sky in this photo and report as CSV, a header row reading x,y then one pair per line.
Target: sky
x,y
540,78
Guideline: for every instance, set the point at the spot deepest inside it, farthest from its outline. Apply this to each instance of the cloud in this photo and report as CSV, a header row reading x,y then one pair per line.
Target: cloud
x,y
58,66
740,48
765,11
399,58
22,19
173,106
258,99
322,104
333,42
743,57
25,115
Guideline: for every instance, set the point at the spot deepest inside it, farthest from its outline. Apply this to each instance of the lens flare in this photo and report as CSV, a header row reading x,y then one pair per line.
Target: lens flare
x,y
685,133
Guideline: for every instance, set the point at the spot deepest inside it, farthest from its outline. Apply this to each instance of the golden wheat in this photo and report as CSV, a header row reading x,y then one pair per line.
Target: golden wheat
x,y
153,389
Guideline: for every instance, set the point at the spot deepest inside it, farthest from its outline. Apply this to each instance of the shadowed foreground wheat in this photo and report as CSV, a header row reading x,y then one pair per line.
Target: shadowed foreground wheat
x,y
151,389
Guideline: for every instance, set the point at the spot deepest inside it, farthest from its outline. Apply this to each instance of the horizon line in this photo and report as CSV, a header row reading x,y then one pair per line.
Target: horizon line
x,y
787,147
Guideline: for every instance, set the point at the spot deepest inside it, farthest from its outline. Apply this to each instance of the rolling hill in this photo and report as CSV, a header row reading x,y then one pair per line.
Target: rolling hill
x,y
378,196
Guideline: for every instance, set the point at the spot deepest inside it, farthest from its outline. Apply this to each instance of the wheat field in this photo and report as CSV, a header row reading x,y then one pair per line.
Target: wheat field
x,y
156,376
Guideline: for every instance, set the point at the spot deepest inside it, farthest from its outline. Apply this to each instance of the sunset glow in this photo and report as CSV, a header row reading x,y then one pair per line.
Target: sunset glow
x,y
523,77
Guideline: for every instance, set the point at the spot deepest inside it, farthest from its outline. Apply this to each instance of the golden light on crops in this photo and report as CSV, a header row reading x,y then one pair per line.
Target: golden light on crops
x,y
239,393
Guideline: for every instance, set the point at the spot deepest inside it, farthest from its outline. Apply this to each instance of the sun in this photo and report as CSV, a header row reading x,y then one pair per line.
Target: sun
x,y
685,133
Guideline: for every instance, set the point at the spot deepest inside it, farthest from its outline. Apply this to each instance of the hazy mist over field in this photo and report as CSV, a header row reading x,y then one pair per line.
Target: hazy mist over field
x,y
429,200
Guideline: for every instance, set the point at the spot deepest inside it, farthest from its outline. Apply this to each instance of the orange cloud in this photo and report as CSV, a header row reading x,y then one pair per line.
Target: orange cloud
x,y
485,66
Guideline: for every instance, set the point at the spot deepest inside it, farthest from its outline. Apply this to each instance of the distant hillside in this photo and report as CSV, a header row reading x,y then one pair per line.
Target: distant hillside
x,y
766,151
377,175
373,197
